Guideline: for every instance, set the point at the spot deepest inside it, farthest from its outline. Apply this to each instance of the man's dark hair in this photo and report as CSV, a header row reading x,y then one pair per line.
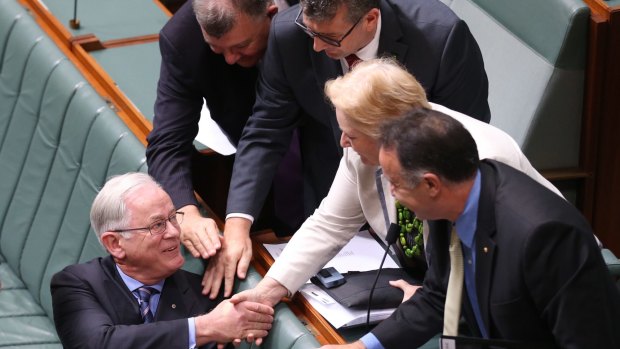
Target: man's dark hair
x,y
430,141
325,10
217,17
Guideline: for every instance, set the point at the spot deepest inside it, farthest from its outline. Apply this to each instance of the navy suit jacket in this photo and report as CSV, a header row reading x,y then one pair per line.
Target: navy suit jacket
x,y
94,309
191,73
424,35
540,275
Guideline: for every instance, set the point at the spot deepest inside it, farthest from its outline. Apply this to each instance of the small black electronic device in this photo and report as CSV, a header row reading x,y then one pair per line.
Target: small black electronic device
x,y
330,277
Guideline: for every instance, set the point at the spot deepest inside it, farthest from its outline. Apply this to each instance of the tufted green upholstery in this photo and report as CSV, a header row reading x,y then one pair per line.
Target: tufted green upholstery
x,y
534,54
59,142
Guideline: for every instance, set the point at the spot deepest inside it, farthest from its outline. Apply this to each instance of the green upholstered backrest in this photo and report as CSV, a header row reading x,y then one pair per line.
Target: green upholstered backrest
x,y
59,142
59,145
534,54
613,263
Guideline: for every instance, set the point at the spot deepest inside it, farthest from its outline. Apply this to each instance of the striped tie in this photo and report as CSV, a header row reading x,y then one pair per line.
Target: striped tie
x,y
144,296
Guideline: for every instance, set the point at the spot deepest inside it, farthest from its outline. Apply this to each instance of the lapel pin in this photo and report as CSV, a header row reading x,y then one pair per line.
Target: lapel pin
x,y
485,249
174,306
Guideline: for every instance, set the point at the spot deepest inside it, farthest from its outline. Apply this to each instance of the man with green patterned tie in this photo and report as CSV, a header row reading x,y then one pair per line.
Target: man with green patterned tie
x,y
525,270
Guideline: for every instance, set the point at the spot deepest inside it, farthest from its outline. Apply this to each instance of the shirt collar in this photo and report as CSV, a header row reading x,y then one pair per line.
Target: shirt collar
x,y
466,223
369,51
133,284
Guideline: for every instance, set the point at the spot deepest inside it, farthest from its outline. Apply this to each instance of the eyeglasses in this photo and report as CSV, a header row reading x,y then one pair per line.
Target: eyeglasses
x,y
325,39
157,227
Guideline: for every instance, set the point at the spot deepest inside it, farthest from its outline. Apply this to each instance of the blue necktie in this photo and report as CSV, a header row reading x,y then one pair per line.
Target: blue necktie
x,y
144,296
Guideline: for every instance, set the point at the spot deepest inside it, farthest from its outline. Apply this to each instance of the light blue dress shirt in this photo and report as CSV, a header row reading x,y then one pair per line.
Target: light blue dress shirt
x,y
466,225
133,284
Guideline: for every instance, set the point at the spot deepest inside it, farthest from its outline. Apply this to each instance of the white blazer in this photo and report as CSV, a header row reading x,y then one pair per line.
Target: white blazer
x,y
354,200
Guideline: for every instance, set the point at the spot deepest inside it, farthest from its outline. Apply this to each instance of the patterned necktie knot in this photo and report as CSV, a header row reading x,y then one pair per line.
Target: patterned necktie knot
x,y
144,294
352,60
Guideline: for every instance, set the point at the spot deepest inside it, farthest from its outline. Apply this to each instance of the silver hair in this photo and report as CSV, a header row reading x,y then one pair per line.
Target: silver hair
x,y
109,211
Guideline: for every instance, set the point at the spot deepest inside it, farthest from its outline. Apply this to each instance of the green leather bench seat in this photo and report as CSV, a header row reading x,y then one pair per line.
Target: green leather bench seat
x,y
535,57
534,54
110,19
59,142
613,263
135,70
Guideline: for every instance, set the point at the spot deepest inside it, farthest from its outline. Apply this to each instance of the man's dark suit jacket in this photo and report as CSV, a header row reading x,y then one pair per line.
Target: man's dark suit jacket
x,y
424,35
190,73
93,308
540,275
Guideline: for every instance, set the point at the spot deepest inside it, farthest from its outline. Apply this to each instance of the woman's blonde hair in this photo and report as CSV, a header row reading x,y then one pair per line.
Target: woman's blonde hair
x,y
374,91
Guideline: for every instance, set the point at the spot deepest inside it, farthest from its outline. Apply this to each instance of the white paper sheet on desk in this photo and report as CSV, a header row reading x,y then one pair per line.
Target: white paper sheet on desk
x,y
338,315
362,253
211,135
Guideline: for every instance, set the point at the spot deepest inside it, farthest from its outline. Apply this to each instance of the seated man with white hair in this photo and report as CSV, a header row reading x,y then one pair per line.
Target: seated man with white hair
x,y
138,296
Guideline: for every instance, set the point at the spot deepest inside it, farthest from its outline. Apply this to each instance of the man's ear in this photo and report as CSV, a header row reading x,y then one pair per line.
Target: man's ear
x,y
371,19
432,183
272,10
112,243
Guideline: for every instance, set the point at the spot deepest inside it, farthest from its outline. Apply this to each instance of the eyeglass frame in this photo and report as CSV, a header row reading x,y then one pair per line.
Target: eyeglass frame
x,y
311,33
170,219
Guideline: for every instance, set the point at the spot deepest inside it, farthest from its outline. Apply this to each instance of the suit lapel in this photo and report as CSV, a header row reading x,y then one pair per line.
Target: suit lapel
x,y
119,297
485,245
326,69
389,41
176,302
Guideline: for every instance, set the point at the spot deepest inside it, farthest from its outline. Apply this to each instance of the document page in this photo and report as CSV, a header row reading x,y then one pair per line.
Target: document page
x,y
211,135
362,253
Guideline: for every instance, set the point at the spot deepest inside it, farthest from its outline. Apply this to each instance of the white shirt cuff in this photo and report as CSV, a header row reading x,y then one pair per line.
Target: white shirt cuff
x,y
192,332
240,215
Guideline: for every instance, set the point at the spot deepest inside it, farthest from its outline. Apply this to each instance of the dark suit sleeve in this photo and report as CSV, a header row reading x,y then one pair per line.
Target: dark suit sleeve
x,y
83,322
418,319
175,125
462,82
572,289
267,134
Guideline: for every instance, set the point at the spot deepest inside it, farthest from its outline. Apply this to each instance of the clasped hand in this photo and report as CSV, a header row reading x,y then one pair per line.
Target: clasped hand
x,y
228,322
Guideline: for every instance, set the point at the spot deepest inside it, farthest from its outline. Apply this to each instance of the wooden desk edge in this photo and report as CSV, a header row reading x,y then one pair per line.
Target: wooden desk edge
x,y
324,332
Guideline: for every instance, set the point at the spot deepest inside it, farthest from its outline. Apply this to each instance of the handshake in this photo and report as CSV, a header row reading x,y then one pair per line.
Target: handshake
x,y
230,322
248,315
